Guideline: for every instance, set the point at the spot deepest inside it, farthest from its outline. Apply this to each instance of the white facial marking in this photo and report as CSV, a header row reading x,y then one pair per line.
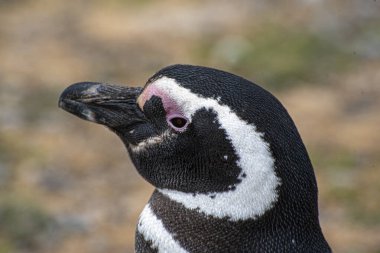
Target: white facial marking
x,y
153,230
90,115
257,191
152,141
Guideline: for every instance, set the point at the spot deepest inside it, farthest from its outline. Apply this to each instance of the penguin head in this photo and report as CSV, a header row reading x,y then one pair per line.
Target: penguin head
x,y
204,136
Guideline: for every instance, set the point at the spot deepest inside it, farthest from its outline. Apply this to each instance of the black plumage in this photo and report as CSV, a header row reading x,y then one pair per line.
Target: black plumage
x,y
201,159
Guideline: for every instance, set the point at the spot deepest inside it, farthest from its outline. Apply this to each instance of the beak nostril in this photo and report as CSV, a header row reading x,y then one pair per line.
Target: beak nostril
x,y
109,105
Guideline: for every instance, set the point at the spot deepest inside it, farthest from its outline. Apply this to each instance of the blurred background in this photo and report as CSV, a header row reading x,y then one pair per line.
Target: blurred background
x,y
68,186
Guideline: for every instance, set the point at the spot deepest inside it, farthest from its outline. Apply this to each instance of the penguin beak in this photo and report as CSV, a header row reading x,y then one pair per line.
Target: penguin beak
x,y
109,105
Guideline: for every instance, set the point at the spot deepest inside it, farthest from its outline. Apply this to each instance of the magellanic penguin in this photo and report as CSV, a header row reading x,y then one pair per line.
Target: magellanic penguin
x,y
229,166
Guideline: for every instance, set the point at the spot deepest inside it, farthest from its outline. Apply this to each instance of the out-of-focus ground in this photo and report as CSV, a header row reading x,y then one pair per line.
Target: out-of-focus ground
x,y
67,185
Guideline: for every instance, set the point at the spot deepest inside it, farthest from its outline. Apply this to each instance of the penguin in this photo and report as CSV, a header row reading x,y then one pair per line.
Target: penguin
x,y
230,171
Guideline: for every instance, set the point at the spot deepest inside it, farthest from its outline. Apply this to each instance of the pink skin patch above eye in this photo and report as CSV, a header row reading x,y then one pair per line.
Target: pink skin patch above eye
x,y
171,107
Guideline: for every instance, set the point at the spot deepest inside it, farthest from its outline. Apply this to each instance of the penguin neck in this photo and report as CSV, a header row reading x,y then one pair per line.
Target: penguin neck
x,y
275,230
289,188
289,203
254,195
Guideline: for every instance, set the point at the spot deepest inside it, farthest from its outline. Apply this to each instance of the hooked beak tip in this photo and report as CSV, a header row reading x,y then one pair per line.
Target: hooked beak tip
x,y
104,104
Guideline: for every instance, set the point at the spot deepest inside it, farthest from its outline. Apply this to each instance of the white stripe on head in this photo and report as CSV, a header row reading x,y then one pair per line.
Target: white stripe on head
x,y
153,230
256,193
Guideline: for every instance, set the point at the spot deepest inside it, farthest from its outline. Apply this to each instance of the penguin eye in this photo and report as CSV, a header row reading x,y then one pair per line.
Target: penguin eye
x,y
178,122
